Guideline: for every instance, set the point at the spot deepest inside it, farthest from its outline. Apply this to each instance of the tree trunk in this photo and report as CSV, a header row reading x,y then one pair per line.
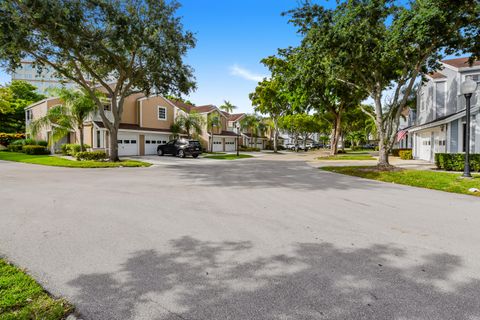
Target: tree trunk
x,y
335,135
343,141
382,145
80,128
114,144
275,136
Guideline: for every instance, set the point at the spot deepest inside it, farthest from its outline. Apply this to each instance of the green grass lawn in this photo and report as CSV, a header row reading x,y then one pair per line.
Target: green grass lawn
x,y
229,156
22,298
351,155
444,181
61,162
214,153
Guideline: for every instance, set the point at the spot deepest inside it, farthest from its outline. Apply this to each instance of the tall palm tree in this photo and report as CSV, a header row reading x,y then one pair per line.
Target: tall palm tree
x,y
70,116
176,129
191,122
213,121
227,106
260,129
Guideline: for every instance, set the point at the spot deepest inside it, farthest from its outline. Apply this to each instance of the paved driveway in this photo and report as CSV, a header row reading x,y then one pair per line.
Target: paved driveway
x,y
252,239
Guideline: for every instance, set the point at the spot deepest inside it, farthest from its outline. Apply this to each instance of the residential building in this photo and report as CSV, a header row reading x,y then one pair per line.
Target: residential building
x,y
43,80
440,123
145,124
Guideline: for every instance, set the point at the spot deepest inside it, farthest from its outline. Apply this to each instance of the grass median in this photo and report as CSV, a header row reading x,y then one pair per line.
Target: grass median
x,y
229,156
444,181
349,156
54,161
23,298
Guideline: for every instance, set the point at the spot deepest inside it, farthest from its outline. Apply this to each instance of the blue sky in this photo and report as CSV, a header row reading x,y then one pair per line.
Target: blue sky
x,y
232,37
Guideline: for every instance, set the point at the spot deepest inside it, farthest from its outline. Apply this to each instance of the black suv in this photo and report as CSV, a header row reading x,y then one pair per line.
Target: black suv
x,y
181,148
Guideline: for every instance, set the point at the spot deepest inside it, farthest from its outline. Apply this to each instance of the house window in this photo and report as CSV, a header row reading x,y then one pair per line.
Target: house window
x,y
106,107
475,77
29,115
162,113
98,138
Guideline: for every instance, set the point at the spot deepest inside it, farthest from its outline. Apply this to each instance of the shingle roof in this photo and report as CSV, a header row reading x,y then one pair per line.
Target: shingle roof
x,y
460,62
436,75
128,126
202,109
183,106
235,117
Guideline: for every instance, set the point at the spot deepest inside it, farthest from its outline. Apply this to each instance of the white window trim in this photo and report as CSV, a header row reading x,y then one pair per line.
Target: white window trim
x,y
158,113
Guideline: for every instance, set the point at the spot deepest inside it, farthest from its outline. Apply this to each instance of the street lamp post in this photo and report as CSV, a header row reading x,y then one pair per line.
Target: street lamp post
x,y
468,87
238,136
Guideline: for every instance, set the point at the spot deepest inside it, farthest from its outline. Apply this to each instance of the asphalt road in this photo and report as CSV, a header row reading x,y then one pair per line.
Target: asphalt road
x,y
247,239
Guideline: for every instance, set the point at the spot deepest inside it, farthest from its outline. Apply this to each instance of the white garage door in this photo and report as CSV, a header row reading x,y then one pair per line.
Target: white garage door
x,y
217,144
425,146
259,144
153,141
127,144
230,145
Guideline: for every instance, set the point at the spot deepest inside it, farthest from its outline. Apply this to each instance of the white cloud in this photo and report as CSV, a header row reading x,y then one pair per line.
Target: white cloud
x,y
238,71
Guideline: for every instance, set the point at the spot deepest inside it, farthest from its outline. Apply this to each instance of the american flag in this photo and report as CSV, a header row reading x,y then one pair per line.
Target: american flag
x,y
401,134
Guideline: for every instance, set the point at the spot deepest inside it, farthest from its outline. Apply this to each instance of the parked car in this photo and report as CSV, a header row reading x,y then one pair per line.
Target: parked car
x,y
180,148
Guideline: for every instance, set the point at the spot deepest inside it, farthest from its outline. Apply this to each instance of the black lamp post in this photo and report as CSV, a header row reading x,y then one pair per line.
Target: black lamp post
x,y
238,137
468,87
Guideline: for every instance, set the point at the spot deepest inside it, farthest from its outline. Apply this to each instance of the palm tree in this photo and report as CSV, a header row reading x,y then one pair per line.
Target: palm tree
x,y
176,129
213,121
260,129
190,122
70,116
227,106
58,119
250,122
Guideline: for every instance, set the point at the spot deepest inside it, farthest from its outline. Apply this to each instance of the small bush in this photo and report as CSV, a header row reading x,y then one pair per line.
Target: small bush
x,y
35,149
356,148
396,152
91,155
71,149
30,142
15,147
456,161
19,142
405,154
7,138
340,151
42,143
247,149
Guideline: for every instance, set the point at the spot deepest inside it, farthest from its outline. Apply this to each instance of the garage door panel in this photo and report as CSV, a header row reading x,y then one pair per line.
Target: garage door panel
x,y
230,145
128,145
217,145
153,141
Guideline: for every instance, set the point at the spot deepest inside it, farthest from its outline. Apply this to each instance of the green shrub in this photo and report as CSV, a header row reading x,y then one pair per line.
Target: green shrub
x,y
405,154
7,138
396,152
340,151
15,147
245,148
356,148
91,155
456,161
35,149
19,142
42,143
71,149
30,142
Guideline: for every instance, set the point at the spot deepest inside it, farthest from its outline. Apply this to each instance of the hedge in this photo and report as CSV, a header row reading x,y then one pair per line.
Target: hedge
x,y
91,155
456,161
15,147
35,149
245,148
7,138
72,149
405,154
396,152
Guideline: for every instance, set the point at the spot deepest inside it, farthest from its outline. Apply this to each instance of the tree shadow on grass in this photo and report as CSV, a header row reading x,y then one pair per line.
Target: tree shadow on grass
x,y
207,280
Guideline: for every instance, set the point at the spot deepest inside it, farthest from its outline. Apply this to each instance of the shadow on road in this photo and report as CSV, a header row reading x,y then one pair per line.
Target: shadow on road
x,y
256,174
208,280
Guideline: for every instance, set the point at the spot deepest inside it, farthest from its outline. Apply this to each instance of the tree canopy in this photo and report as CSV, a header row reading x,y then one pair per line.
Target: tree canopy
x,y
14,97
122,47
375,45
